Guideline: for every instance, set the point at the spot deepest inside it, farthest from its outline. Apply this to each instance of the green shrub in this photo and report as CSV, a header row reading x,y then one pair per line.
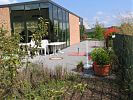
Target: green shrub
x,y
100,56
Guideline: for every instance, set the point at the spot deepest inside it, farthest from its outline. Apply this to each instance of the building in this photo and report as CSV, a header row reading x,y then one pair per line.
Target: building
x,y
22,18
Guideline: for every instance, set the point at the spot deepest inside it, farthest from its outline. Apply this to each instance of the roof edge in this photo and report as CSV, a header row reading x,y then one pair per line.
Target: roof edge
x,y
37,1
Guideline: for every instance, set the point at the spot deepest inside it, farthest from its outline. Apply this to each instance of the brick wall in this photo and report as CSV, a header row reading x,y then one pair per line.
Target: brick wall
x,y
5,19
74,29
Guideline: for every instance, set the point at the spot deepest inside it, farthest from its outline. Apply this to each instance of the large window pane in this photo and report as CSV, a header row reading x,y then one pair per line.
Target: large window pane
x,y
60,14
64,26
67,29
60,24
56,30
55,12
21,7
67,35
64,31
64,16
18,21
31,6
44,5
51,12
51,29
44,10
32,13
60,31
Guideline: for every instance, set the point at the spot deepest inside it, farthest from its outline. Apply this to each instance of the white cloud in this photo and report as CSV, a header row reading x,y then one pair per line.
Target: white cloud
x,y
114,16
100,13
105,19
126,15
86,23
7,1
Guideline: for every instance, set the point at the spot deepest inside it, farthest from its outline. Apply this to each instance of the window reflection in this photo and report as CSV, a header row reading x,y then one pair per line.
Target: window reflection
x,y
17,21
32,14
64,26
55,14
56,30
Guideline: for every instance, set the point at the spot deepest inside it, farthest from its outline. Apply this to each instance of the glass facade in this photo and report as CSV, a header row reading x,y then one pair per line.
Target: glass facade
x,y
24,20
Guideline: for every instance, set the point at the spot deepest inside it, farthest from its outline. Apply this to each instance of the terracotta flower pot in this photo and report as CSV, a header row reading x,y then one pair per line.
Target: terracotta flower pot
x,y
101,71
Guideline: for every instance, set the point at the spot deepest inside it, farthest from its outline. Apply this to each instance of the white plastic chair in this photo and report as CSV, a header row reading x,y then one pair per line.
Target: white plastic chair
x,y
44,46
33,45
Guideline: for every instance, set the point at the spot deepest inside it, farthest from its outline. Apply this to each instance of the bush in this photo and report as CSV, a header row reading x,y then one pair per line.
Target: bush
x,y
100,56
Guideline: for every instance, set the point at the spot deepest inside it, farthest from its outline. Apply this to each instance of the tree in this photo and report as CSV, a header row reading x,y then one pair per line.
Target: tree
x,y
99,31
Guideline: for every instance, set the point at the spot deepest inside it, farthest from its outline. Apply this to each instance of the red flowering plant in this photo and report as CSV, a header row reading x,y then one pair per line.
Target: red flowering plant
x,y
109,32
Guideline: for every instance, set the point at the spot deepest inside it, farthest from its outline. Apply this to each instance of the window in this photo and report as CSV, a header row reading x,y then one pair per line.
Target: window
x,y
67,29
31,6
64,26
32,13
18,21
21,7
44,10
81,27
64,16
67,16
50,12
44,5
60,31
60,14
56,30
55,14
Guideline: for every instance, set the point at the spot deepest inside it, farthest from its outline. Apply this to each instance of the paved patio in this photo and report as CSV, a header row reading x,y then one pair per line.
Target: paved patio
x,y
67,61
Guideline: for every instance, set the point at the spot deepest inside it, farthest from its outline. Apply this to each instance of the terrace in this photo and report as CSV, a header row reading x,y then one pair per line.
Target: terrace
x,y
73,70
69,57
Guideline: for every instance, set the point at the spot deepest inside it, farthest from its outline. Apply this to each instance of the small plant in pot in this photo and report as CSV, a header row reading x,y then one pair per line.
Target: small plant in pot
x,y
101,61
80,67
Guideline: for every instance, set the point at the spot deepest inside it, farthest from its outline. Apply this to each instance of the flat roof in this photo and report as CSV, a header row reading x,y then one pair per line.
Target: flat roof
x,y
38,1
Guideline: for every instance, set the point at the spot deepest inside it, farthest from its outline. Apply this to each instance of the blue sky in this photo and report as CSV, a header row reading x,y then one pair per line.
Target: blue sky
x,y
107,12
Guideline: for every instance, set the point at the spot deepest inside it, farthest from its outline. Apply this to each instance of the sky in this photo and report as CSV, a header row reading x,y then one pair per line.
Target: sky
x,y
107,12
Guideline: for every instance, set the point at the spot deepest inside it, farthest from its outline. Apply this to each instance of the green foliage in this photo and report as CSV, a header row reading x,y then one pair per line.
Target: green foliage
x,y
100,56
82,29
11,57
91,35
80,66
41,31
80,87
99,31
36,85
10,61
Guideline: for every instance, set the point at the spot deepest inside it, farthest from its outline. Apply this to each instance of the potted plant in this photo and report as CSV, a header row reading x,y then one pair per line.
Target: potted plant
x,y
101,61
80,67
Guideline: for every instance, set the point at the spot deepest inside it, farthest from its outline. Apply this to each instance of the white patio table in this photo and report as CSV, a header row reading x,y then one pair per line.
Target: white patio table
x,y
55,44
24,44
